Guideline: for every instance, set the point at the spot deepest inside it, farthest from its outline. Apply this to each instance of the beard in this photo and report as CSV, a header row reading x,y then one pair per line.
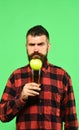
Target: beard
x,y
37,55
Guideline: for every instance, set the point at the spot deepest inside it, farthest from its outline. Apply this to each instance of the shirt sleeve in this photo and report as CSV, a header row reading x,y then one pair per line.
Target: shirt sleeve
x,y
68,105
11,102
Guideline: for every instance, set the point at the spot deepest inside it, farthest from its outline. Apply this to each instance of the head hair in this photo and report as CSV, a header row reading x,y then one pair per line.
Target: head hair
x,y
38,30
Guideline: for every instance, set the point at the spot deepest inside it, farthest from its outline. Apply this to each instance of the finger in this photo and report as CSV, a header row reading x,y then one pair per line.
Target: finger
x,y
35,84
32,93
35,88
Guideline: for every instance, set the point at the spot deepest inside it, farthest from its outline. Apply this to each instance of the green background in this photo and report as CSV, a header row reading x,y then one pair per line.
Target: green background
x,y
60,17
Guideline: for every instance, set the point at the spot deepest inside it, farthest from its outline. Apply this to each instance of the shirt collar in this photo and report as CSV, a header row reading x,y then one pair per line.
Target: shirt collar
x,y
45,66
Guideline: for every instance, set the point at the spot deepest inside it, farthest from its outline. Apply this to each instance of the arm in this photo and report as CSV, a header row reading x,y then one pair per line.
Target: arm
x,y
11,102
15,97
68,107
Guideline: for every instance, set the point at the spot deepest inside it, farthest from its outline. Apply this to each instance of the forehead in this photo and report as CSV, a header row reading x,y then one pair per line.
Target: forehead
x,y
36,39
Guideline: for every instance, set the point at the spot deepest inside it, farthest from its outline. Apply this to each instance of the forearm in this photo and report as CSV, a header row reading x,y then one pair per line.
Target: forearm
x,y
9,109
69,113
71,125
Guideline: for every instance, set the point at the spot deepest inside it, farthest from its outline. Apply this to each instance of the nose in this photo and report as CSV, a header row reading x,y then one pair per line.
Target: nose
x,y
36,47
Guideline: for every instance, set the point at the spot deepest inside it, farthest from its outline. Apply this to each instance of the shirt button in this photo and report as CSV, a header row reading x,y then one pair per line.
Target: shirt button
x,y
40,101
40,127
40,113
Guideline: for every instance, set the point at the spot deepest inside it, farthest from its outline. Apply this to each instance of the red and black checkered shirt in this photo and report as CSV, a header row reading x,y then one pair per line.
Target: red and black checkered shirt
x,y
54,105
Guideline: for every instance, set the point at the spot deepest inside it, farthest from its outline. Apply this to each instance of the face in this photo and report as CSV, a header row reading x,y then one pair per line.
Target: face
x,y
37,47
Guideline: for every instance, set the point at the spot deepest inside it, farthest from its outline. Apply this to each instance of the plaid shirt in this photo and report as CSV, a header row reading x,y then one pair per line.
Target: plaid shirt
x,y
54,105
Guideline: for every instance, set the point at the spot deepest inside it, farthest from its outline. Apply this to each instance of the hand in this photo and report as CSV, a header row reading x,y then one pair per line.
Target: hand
x,y
30,89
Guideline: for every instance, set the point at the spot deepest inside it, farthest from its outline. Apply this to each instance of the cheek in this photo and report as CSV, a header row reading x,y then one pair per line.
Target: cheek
x,y
44,50
29,51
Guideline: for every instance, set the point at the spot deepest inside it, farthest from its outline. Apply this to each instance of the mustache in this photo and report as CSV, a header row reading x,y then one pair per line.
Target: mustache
x,y
37,54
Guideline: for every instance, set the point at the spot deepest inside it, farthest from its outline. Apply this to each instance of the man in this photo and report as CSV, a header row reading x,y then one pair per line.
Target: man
x,y
43,106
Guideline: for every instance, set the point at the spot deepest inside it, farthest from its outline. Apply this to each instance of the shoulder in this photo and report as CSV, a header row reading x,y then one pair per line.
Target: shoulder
x,y
58,70
19,71
60,74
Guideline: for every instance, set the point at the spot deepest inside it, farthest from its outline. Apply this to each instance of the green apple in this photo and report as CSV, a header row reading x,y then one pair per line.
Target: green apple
x,y
36,64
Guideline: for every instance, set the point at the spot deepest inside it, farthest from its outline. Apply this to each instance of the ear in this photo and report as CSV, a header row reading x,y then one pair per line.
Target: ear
x,y
49,46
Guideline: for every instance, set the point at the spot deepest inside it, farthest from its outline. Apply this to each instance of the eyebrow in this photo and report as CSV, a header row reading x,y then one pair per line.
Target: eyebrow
x,y
32,44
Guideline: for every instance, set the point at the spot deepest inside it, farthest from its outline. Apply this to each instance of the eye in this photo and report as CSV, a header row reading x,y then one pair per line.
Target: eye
x,y
41,44
31,44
